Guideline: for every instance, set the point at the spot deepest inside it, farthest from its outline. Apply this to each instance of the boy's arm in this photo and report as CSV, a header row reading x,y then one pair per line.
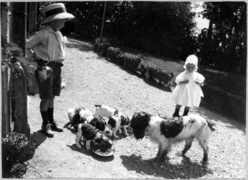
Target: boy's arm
x,y
38,38
31,43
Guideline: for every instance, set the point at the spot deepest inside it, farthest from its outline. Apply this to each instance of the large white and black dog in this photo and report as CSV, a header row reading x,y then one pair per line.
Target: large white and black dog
x,y
93,137
114,118
83,115
166,132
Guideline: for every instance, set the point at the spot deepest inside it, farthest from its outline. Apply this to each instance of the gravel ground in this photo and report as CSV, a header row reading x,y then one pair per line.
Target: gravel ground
x,y
91,80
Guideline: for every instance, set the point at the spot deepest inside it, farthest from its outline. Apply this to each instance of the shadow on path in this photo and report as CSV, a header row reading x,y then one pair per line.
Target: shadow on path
x,y
187,169
37,138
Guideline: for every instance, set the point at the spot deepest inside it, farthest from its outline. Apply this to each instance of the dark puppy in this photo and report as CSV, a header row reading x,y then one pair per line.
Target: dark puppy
x,y
165,132
100,123
92,136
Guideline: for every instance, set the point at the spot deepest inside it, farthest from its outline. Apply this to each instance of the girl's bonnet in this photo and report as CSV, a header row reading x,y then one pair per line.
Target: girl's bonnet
x,y
193,60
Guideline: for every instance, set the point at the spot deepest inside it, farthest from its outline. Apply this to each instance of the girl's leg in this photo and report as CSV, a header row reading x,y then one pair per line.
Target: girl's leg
x,y
176,112
186,111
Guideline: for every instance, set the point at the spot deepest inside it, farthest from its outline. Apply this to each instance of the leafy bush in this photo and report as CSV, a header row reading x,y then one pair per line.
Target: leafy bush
x,y
13,146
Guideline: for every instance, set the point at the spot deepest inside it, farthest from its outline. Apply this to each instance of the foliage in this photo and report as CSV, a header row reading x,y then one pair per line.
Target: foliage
x,y
13,159
157,27
41,12
163,28
88,15
223,46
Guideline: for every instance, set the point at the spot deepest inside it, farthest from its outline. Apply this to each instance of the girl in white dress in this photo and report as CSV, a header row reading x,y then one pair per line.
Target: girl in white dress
x,y
188,91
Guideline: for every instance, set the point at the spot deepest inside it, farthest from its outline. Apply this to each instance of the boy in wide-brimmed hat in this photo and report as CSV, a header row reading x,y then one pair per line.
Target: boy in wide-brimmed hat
x,y
48,46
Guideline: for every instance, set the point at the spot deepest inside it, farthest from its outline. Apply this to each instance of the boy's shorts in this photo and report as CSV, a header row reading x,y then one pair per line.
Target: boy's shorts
x,y
52,85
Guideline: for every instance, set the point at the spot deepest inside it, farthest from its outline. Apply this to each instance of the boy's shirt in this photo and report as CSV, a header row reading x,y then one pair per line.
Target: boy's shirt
x,y
47,44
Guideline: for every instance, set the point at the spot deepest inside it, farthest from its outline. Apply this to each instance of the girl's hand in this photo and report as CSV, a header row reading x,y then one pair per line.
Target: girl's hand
x,y
184,82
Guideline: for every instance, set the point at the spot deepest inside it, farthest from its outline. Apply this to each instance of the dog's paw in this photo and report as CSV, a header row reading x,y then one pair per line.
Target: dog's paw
x,y
88,145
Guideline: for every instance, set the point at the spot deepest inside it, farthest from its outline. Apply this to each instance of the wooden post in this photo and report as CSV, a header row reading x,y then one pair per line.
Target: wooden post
x,y
32,19
19,102
103,19
19,23
18,84
5,100
5,20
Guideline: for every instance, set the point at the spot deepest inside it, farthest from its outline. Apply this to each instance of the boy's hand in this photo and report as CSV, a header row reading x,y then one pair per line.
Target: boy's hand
x,y
184,82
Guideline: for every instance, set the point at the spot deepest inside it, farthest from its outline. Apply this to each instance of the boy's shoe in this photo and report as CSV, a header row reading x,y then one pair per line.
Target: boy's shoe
x,y
55,127
46,129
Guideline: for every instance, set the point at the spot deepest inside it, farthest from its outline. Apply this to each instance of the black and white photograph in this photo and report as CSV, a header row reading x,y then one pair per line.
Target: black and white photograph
x,y
123,89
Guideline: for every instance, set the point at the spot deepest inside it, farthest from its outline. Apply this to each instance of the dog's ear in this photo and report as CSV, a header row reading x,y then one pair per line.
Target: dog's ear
x,y
75,119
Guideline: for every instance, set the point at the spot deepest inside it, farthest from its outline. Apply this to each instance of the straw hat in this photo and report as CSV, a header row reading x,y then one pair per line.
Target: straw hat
x,y
193,60
56,11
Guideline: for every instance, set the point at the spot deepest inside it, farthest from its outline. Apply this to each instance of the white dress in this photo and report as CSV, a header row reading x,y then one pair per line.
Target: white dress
x,y
188,94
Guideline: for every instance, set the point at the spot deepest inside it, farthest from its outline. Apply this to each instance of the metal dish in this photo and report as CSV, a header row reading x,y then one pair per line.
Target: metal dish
x,y
109,152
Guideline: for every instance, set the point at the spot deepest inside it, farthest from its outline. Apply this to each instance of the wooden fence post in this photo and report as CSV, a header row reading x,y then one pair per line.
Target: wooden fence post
x,y
32,19
5,101
18,84
19,102
18,24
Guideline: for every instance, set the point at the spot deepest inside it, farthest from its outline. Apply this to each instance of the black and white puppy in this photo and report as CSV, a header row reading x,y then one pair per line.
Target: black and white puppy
x,y
92,136
166,132
79,115
100,123
116,119
105,111
83,115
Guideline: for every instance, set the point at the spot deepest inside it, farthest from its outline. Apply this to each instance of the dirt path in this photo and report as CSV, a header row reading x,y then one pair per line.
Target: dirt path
x,y
93,80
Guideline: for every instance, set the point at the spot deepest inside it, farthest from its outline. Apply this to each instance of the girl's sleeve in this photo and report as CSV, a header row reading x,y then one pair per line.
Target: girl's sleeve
x,y
200,78
179,78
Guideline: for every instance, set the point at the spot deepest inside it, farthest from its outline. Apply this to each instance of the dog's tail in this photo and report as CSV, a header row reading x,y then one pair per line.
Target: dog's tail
x,y
211,125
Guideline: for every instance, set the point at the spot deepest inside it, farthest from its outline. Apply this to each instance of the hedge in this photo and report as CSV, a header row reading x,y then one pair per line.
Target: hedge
x,y
215,98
